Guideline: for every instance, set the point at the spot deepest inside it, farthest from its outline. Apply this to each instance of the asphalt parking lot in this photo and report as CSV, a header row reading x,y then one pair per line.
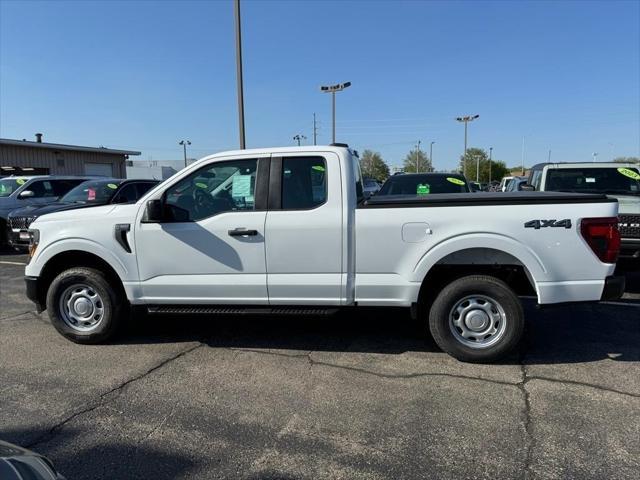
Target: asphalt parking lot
x,y
345,397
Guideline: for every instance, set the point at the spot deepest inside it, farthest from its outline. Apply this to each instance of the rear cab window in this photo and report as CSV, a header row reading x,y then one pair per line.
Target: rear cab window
x,y
304,182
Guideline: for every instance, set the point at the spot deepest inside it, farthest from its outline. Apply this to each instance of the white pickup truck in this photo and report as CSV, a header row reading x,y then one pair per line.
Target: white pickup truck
x,y
288,230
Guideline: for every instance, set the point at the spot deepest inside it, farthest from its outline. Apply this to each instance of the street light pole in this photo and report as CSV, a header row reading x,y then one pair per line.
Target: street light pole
x,y
418,157
333,89
477,168
299,137
490,158
431,155
315,130
236,4
466,119
184,144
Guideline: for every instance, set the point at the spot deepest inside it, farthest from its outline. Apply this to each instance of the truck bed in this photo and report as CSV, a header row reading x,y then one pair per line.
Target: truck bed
x,y
483,199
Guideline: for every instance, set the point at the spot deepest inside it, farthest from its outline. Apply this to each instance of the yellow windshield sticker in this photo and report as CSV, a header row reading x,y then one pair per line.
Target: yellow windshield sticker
x,y
21,181
455,181
629,173
112,185
319,168
201,185
423,189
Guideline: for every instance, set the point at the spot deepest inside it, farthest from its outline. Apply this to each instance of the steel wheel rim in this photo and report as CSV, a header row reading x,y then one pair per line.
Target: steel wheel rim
x,y
478,321
81,307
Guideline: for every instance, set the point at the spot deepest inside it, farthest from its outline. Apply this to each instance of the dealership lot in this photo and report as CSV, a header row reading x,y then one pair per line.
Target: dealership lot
x,y
340,397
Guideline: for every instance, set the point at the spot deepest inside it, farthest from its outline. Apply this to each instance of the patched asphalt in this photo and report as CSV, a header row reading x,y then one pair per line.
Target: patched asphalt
x,y
364,395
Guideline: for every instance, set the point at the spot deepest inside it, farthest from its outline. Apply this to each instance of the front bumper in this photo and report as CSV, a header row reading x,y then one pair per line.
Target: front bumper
x,y
33,292
613,288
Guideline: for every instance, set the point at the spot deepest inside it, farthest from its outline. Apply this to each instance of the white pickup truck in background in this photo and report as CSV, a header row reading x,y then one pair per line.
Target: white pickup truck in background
x,y
616,180
287,230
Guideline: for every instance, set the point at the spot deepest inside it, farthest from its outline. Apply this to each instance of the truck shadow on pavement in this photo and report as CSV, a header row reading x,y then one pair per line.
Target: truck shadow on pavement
x,y
563,334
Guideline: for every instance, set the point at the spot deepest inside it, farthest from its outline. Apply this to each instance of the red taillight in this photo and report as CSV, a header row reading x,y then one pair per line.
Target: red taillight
x,y
603,237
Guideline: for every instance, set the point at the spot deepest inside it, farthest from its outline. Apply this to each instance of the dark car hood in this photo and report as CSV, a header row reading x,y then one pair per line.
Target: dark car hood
x,y
37,210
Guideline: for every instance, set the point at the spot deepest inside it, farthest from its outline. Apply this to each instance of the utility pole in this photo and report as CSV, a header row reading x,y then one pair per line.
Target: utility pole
x,y
431,155
549,156
332,89
184,144
418,157
299,137
522,155
466,119
236,5
315,130
490,158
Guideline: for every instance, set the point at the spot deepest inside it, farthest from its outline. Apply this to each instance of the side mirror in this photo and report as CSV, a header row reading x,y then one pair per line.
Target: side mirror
x,y
26,194
154,212
526,188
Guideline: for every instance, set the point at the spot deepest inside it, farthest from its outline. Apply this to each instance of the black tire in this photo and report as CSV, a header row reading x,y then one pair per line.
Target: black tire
x,y
110,304
463,295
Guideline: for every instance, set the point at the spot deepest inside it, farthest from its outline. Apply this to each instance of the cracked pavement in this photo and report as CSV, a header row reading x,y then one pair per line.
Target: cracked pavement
x,y
351,396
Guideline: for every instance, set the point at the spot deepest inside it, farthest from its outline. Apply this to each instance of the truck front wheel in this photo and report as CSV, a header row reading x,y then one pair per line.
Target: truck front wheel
x,y
83,306
476,319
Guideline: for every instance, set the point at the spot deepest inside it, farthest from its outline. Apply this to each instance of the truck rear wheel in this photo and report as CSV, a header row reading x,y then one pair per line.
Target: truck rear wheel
x,y
477,318
83,306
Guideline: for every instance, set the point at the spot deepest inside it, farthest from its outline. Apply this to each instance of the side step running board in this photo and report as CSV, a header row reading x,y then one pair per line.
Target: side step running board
x,y
238,310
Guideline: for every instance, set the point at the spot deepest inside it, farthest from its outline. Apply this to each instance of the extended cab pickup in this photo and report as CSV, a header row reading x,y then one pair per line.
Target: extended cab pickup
x,y
287,230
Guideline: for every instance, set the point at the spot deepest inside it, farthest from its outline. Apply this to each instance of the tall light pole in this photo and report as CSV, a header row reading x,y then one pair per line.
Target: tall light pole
x,y
478,169
184,144
490,158
299,137
549,156
332,89
315,130
418,157
236,5
431,154
594,155
466,119
522,155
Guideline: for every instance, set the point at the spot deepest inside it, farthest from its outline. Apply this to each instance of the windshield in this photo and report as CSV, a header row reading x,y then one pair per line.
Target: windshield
x,y
622,180
423,185
93,191
10,185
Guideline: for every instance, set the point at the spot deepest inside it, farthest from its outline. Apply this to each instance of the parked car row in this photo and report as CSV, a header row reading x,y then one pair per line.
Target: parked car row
x,y
23,199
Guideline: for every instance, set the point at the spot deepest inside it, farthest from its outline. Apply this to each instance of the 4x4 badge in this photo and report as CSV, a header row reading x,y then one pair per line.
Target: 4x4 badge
x,y
538,224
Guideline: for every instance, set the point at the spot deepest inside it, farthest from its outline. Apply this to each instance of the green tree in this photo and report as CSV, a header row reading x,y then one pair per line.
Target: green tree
x,y
627,160
373,166
477,155
417,161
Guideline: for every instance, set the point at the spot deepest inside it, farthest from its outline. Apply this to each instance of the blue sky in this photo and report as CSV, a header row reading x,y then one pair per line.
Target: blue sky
x,y
145,74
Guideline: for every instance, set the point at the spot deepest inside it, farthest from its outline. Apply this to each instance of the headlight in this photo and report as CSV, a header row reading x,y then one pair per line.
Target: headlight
x,y
34,240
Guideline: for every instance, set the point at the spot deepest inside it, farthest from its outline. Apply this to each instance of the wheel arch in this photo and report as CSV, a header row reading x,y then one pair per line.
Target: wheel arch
x,y
75,258
477,260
